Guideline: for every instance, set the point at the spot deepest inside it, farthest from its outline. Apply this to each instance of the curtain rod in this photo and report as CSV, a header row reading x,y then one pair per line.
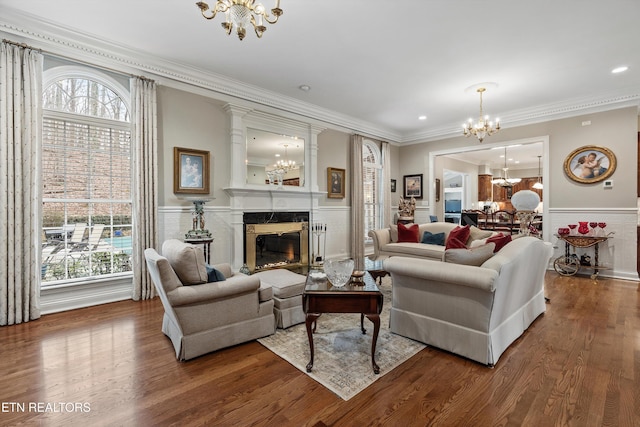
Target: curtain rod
x,y
23,45
56,55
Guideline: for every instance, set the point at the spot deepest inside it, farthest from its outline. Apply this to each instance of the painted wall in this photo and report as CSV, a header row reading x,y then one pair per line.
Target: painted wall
x,y
615,129
192,121
334,151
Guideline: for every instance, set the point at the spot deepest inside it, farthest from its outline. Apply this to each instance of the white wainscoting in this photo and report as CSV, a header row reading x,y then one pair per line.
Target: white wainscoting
x,y
79,294
619,252
174,222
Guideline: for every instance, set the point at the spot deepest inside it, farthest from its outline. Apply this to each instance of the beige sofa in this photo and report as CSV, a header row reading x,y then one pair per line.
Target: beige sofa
x,y
385,241
476,312
203,317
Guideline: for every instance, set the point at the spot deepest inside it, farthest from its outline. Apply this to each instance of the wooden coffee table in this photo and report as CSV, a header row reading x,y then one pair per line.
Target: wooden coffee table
x,y
321,297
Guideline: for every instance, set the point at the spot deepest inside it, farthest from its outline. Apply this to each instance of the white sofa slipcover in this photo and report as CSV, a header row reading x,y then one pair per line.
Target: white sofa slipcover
x,y
475,312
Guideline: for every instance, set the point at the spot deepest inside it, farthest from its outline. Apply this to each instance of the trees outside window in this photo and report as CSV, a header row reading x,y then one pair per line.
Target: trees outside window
x,y
86,179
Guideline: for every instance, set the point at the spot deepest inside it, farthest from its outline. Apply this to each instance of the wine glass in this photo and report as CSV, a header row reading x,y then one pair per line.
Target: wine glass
x,y
572,227
602,225
593,226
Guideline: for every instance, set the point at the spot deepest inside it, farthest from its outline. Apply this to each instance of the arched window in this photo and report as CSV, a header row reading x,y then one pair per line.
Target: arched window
x,y
371,172
86,176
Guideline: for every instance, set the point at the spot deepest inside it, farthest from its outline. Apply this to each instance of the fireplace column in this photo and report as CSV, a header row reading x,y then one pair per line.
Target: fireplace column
x,y
238,145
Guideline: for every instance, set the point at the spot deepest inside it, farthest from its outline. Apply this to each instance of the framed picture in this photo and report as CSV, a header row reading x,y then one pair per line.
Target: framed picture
x,y
190,171
590,164
413,186
393,185
335,183
437,189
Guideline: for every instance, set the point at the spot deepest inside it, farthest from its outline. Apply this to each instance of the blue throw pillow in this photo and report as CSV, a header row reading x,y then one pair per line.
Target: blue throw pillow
x,y
214,275
433,239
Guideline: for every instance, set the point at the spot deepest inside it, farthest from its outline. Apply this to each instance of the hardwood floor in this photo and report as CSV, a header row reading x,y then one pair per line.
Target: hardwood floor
x,y
578,365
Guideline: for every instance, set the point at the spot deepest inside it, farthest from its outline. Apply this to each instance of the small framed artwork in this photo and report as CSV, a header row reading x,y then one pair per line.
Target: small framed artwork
x,y
413,186
393,185
590,164
335,183
190,171
437,189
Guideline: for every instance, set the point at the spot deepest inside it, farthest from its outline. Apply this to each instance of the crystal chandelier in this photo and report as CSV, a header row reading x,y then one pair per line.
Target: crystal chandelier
x,y
505,181
538,185
286,164
483,127
241,13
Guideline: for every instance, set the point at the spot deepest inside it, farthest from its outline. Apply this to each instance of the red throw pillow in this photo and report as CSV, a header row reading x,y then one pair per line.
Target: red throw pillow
x,y
453,243
459,233
500,240
408,234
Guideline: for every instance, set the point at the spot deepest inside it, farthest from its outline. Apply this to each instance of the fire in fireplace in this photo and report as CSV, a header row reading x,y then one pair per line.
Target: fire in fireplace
x,y
276,240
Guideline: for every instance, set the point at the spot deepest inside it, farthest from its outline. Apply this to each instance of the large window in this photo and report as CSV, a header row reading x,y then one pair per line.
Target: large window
x,y
86,178
371,170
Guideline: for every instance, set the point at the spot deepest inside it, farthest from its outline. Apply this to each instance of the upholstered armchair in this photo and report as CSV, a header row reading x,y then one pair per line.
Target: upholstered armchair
x,y
202,316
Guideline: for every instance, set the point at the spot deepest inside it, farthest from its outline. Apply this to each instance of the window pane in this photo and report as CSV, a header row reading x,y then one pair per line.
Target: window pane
x,y
86,184
85,97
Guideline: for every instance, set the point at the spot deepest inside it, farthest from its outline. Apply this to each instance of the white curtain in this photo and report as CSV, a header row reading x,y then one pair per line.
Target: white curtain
x,y
357,203
20,197
145,178
386,185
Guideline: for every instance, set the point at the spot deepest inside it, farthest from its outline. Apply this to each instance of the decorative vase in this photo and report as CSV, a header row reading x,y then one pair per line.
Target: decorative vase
x,y
583,227
339,271
601,232
245,270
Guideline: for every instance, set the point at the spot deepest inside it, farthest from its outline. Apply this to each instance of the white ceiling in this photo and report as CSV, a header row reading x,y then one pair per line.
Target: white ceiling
x,y
377,69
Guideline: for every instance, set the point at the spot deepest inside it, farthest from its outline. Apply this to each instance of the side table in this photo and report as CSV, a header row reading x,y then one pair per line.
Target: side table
x,y
375,268
207,246
320,296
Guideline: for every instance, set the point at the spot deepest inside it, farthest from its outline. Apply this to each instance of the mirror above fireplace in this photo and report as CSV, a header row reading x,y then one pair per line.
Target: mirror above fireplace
x,y
271,154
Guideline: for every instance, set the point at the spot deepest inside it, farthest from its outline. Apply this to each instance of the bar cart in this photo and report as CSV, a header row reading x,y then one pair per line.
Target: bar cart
x,y
569,264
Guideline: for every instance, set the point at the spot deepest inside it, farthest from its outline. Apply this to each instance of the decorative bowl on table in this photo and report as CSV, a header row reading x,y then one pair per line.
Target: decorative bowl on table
x,y
563,231
339,271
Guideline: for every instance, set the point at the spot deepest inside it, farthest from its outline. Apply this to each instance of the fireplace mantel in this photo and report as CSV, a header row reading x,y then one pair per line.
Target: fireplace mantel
x,y
258,191
258,198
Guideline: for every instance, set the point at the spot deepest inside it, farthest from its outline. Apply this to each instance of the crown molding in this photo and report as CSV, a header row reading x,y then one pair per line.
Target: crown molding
x,y
73,45
539,114
62,41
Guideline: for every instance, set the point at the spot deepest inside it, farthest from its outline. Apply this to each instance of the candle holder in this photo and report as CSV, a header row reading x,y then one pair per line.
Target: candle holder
x,y
198,231
319,232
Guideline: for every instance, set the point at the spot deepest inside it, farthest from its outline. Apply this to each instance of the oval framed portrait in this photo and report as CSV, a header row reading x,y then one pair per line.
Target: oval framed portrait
x,y
590,164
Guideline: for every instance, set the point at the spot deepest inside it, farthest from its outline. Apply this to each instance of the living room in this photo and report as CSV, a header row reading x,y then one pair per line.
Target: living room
x,y
202,113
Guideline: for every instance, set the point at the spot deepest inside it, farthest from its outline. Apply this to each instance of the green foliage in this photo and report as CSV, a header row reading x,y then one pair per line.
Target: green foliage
x,y
81,265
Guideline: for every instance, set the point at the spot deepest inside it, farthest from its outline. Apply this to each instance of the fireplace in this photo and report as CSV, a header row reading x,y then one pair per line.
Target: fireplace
x,y
276,240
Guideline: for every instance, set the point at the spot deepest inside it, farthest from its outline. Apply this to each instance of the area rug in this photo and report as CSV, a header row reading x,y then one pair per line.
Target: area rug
x,y
342,361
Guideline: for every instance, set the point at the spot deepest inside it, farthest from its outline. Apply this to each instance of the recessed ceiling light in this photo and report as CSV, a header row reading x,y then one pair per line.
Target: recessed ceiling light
x,y
422,118
621,69
305,88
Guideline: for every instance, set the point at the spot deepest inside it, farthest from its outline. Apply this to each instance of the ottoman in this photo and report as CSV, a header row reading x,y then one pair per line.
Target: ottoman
x,y
287,288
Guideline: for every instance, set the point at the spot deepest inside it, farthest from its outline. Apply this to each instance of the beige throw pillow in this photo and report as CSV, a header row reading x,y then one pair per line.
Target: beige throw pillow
x,y
477,234
393,232
186,260
474,256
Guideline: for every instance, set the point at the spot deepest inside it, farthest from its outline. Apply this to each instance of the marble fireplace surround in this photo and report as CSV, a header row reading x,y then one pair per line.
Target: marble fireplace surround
x,y
276,240
292,206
